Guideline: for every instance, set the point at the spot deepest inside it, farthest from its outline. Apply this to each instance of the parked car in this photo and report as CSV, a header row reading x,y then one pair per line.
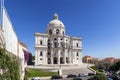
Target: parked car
x,y
77,78
82,75
71,76
114,77
109,79
91,74
90,79
35,78
118,76
56,77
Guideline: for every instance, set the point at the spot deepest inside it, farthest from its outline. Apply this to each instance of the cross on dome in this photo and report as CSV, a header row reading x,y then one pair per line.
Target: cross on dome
x,y
55,16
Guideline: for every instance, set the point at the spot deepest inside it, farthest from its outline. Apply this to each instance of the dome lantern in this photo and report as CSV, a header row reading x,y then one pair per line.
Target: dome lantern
x,y
55,16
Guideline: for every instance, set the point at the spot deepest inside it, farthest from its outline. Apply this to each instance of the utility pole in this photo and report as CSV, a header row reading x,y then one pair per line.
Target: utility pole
x,y
2,5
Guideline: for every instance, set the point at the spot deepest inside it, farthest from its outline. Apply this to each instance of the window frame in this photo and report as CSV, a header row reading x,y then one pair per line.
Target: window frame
x,y
41,53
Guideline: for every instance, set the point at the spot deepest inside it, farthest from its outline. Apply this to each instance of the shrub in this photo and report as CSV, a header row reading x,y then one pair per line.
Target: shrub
x,y
9,65
115,66
94,67
100,76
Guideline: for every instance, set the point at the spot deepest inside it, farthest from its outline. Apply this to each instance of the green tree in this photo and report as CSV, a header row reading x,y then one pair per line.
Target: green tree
x,y
99,76
115,67
29,62
33,58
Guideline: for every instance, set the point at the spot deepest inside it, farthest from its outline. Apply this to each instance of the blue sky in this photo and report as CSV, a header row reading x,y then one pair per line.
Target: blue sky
x,y
96,21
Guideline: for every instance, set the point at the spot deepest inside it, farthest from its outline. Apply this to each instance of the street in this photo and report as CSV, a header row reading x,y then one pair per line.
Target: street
x,y
83,78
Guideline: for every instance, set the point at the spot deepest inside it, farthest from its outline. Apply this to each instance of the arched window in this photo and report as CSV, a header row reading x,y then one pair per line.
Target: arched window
x,y
50,31
57,31
41,54
41,42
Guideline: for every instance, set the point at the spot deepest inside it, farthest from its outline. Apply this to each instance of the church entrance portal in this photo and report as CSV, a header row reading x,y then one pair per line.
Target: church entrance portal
x,y
49,60
55,60
61,60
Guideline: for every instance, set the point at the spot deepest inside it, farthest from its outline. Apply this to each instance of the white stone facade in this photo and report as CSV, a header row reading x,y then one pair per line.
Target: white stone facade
x,y
10,37
9,41
1,37
55,47
23,63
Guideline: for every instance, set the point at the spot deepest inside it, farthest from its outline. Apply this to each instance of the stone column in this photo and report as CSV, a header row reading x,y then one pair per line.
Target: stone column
x,y
60,72
65,57
80,57
70,57
51,56
58,57
51,60
46,58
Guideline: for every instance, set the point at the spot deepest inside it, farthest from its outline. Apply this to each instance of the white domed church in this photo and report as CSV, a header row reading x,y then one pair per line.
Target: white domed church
x,y
55,47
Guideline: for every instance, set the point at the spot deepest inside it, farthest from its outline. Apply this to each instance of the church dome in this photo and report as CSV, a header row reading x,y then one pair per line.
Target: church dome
x,y
56,26
56,22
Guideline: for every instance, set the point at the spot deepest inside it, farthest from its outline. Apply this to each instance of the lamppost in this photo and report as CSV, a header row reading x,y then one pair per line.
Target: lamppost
x,y
62,47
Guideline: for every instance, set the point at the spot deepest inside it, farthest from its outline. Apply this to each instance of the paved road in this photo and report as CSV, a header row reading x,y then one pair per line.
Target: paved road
x,y
83,78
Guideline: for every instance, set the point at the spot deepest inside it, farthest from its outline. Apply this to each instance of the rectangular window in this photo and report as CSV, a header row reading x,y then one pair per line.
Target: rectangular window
x,y
77,44
41,54
41,42
77,54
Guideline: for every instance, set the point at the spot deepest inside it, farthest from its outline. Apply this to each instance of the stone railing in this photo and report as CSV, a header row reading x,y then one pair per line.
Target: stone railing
x,y
91,69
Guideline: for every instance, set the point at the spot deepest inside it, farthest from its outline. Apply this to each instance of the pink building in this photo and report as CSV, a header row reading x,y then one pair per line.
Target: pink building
x,y
110,60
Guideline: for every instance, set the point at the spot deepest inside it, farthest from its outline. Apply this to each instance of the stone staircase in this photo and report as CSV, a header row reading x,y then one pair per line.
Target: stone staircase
x,y
76,71
66,69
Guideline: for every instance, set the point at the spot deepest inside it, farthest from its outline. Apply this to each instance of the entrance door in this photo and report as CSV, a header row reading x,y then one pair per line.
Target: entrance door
x,y
49,61
55,60
61,60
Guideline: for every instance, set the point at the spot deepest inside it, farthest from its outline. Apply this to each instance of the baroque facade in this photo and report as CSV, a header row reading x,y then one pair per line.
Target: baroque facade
x,y
55,47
